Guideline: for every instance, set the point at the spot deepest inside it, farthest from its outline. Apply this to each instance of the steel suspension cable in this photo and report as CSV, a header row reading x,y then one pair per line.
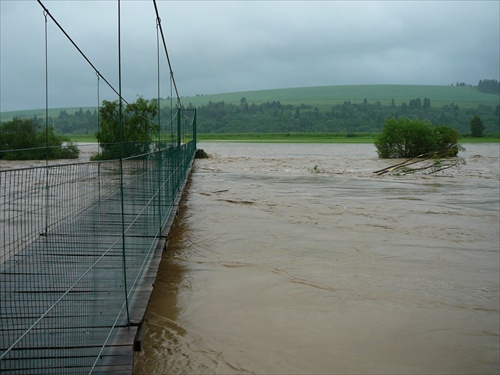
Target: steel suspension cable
x,y
46,129
46,11
98,112
158,82
171,111
166,53
46,92
117,92
159,144
98,131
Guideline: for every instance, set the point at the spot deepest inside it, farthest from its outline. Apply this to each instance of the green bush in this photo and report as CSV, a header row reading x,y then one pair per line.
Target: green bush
x,y
405,138
476,126
23,139
446,141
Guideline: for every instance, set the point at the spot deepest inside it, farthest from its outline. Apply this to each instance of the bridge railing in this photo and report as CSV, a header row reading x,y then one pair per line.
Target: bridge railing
x,y
75,242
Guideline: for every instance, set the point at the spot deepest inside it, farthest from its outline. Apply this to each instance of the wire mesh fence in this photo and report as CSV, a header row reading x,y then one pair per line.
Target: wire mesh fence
x,y
76,239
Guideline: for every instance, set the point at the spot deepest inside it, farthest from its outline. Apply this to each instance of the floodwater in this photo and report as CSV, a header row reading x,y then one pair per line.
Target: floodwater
x,y
298,259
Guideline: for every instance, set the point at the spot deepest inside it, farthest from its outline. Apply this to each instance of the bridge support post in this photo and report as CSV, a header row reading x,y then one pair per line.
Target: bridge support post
x,y
194,127
179,122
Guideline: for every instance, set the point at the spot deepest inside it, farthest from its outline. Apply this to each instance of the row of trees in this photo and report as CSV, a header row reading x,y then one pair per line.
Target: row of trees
x,y
80,122
400,137
491,86
274,117
28,139
25,139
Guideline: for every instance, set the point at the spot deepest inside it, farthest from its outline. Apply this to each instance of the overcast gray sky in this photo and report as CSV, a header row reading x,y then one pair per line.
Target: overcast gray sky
x,y
227,46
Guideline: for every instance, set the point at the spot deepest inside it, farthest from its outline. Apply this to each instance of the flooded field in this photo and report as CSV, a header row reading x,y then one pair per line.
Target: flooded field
x,y
298,259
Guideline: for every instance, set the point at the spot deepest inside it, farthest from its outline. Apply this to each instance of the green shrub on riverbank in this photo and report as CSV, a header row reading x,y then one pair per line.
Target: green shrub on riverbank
x,y
405,138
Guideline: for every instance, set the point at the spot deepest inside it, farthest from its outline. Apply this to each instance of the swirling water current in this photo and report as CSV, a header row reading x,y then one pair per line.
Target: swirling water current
x,y
298,259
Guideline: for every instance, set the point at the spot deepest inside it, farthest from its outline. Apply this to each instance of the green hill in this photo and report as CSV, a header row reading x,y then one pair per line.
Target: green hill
x,y
326,96
324,109
322,97
40,113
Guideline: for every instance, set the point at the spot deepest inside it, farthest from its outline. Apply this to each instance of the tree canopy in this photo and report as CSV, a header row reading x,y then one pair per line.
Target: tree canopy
x,y
491,86
277,117
405,138
25,139
476,126
138,128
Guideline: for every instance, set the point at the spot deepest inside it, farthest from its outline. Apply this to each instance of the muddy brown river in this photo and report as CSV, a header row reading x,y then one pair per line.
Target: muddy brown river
x,y
298,259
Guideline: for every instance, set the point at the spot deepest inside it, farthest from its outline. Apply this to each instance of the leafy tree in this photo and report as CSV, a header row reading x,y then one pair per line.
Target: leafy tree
x,y
476,126
297,113
446,140
24,139
405,138
427,104
138,128
491,86
244,104
415,104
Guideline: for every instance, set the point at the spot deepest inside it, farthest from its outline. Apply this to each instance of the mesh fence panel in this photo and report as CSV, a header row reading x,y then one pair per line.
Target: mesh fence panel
x,y
76,239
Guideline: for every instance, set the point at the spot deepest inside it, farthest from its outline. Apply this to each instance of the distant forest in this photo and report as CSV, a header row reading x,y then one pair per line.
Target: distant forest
x,y
274,117
489,86
362,116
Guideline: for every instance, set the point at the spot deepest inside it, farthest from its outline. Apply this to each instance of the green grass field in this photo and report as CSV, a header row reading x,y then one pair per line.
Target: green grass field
x,y
295,138
322,97
288,138
30,113
317,138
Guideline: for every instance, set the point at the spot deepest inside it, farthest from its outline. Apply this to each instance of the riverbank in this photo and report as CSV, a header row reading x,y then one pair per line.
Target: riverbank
x,y
352,138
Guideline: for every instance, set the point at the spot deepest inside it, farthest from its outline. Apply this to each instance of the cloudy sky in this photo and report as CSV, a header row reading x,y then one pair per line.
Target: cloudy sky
x,y
227,46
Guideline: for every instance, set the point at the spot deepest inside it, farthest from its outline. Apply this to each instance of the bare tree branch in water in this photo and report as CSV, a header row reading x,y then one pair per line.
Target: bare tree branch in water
x,y
428,163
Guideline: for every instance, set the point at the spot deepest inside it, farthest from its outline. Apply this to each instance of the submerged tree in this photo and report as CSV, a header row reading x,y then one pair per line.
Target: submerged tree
x,y
405,138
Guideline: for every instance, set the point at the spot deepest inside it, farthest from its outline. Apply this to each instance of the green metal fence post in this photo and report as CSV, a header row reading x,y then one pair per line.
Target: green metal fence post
x,y
194,127
179,134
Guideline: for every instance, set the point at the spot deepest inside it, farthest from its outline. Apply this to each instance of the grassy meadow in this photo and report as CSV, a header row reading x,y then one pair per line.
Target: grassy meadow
x,y
40,113
294,138
322,97
288,138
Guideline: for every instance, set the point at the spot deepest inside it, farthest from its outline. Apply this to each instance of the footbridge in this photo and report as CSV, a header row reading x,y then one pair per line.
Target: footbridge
x,y
80,243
